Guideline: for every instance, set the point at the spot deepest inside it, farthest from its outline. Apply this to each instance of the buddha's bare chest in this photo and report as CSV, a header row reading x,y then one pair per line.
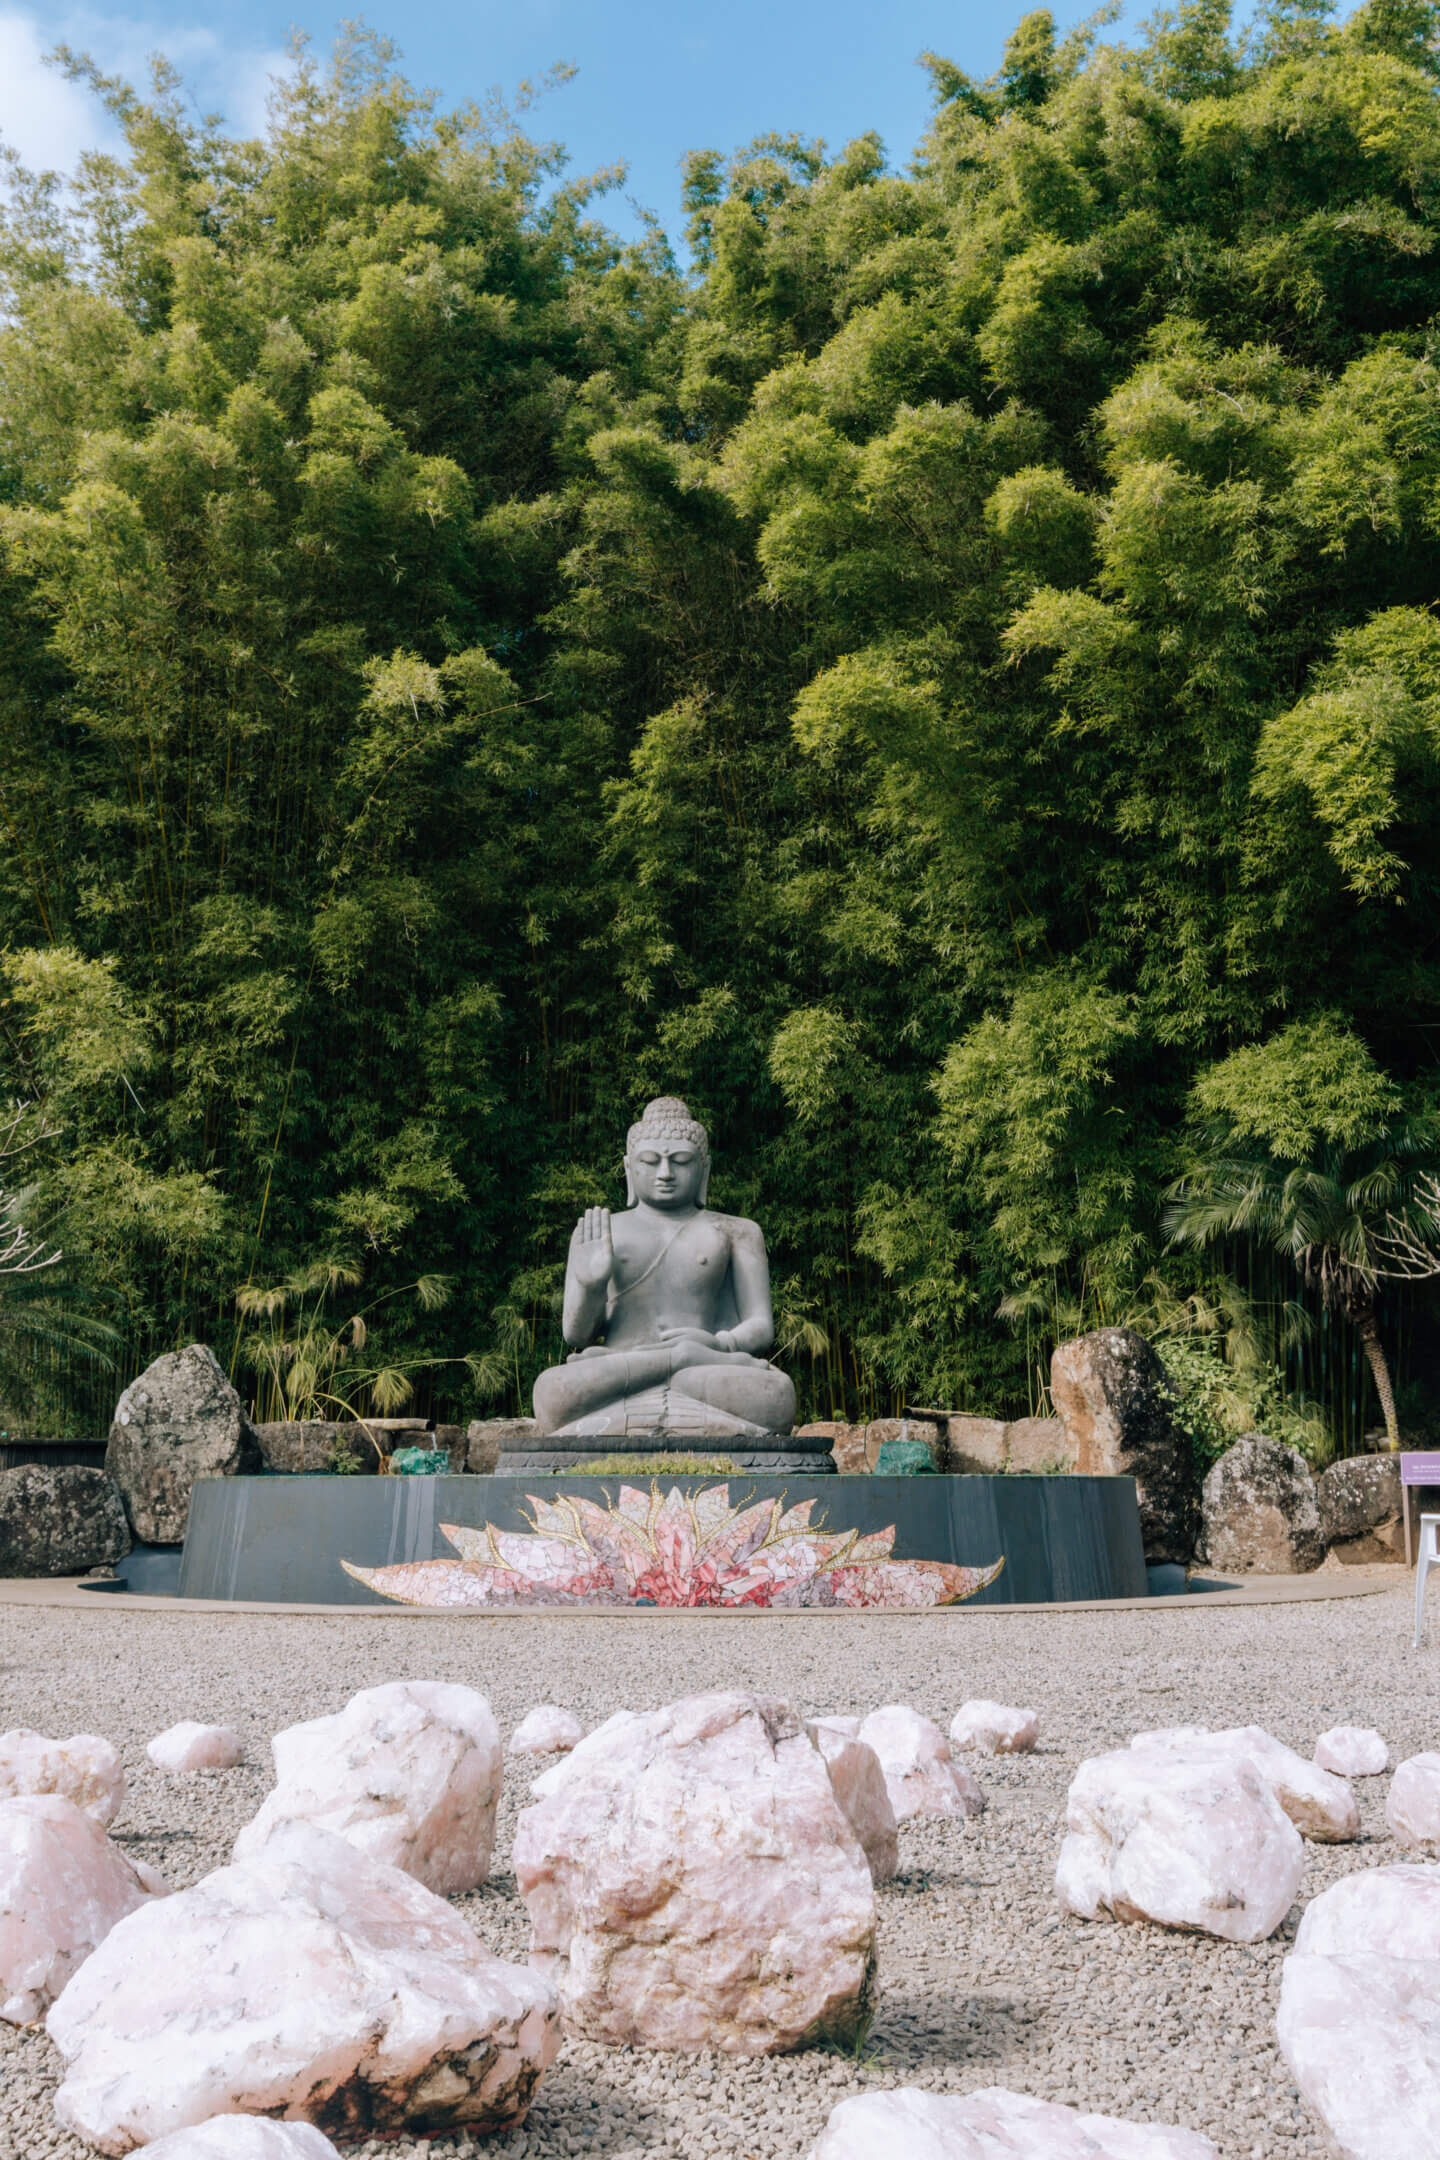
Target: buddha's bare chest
x,y
695,1257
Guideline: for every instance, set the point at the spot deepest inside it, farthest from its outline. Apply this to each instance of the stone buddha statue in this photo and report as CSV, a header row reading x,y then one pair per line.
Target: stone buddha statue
x,y
681,1298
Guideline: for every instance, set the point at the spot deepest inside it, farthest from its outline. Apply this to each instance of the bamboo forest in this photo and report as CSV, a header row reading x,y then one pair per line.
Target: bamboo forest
x,y
936,664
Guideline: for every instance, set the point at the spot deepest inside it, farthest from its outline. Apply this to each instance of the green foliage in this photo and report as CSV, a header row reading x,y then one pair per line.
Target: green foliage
x,y
1028,71
346,1460
315,1366
1217,1405
653,1465
1312,1084
1308,1149
1028,1108
949,687
47,1327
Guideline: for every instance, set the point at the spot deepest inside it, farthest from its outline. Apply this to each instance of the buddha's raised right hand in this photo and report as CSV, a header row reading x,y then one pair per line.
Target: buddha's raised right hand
x,y
592,1250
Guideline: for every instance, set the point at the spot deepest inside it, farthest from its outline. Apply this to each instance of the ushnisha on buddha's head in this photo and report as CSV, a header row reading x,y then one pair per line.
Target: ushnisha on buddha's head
x,y
667,1158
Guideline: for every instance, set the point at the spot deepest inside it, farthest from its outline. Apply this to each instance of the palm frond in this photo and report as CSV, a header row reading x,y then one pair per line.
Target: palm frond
x,y
47,1329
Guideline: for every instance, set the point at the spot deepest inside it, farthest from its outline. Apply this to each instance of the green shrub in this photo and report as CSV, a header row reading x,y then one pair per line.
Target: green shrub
x,y
1218,1402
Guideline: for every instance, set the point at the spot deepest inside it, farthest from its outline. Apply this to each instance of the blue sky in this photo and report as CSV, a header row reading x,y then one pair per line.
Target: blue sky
x,y
656,77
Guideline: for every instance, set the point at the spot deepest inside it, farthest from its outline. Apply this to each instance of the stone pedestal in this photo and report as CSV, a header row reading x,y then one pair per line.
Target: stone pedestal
x,y
776,1454
320,1540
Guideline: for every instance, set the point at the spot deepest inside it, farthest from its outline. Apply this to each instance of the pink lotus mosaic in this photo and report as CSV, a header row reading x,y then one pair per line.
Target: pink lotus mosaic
x,y
688,1549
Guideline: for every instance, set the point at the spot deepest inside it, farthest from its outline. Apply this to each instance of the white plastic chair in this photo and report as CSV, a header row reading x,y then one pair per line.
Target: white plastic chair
x,y
1428,1557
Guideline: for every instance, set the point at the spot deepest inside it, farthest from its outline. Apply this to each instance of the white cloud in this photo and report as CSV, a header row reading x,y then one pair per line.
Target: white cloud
x,y
51,121
48,120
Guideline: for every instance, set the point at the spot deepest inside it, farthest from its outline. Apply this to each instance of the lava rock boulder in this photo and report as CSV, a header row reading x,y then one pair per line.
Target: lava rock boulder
x,y
1360,1509
181,1420
60,1521
1261,1511
1114,1399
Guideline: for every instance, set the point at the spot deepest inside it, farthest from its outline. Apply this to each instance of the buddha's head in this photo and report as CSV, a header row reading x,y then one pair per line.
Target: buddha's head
x,y
667,1157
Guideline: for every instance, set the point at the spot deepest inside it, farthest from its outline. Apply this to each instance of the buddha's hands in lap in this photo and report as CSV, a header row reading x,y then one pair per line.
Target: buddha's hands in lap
x,y
697,1338
592,1249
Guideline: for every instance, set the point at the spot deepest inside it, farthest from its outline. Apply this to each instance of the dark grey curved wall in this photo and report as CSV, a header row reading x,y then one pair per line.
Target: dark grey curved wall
x,y
282,1539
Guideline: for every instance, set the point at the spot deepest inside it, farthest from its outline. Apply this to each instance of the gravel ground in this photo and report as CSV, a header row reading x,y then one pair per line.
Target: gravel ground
x,y
981,1981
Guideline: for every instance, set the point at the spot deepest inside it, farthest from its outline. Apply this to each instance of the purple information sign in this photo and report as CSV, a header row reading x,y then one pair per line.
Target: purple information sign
x,y
1416,1469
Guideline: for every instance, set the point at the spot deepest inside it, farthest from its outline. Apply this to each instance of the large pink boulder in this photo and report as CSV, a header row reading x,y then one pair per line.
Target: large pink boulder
x,y
858,1783
1412,1805
63,1886
84,1769
409,1773
1392,1910
920,1776
1322,1807
190,1746
244,2137
693,1881
1359,2015
308,1982
1197,1842
992,2124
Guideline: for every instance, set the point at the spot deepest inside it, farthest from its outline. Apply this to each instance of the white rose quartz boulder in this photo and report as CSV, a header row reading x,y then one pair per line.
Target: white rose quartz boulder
x,y
693,1881
920,1777
858,1783
1352,1751
1412,1805
63,1886
409,1773
309,1982
992,1728
547,1730
1359,2015
244,2137
85,1769
1322,1807
190,1746
1189,1842
992,2124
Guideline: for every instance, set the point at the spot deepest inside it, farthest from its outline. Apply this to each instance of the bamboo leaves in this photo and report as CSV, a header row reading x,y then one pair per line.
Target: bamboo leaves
x,y
935,685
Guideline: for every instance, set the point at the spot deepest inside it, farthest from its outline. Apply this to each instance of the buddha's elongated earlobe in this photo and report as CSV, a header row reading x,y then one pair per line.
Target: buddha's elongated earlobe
x,y
629,1185
705,1181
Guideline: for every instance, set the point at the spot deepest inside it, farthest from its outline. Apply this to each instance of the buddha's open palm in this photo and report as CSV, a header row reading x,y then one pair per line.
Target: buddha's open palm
x,y
592,1249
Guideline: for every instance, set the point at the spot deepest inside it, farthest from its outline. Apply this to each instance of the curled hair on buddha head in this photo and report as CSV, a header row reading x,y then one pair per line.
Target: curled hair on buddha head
x,y
667,1118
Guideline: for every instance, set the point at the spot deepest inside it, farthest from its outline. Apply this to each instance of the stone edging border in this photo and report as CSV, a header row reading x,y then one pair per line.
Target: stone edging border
x,y
64,1593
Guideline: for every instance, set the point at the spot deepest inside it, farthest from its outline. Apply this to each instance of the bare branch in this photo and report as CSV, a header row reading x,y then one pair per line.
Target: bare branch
x,y
1408,1250
1403,1257
23,1127
21,1252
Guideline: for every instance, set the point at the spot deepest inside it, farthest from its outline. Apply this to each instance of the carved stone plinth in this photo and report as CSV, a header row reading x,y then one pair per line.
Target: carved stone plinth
x,y
774,1454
